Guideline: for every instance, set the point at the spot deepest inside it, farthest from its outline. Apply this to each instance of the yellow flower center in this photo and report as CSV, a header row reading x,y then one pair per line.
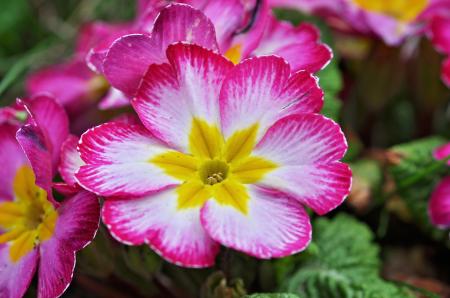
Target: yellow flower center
x,y
97,87
28,220
234,53
215,167
402,10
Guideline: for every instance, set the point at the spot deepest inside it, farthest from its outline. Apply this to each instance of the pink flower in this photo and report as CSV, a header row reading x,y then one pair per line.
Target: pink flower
x,y
439,33
439,204
130,56
392,20
38,233
226,154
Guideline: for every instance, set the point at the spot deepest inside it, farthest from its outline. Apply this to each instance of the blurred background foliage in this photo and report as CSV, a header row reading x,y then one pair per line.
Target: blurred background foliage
x,y
394,110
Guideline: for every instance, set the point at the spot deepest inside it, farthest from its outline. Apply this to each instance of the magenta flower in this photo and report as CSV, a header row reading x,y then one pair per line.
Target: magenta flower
x,y
130,56
226,154
439,32
37,233
439,204
392,20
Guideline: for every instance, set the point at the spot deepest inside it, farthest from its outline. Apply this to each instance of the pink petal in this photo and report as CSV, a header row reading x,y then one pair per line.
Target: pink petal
x,y
66,189
15,277
129,57
440,33
307,5
96,34
274,227
439,205
78,219
117,161
114,99
252,33
442,152
68,83
300,45
388,28
70,160
12,158
306,149
259,90
94,40
36,149
171,95
176,235
227,16
51,118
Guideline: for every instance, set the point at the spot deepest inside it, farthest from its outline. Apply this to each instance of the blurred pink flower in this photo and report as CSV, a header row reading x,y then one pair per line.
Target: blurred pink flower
x,y
391,20
439,204
439,33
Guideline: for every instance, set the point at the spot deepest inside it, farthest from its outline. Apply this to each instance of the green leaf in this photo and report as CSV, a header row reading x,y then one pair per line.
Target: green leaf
x,y
416,175
346,265
271,296
331,107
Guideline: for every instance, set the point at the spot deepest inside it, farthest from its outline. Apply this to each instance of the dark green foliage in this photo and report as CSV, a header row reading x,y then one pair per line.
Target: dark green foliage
x,y
345,264
416,176
272,296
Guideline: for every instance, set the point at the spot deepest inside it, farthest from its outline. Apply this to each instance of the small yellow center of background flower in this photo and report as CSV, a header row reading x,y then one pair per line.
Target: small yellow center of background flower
x,y
402,10
215,167
97,86
28,220
234,53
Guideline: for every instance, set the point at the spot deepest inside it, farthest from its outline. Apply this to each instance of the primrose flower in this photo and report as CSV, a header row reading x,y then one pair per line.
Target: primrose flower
x,y
439,204
37,233
391,20
226,154
130,56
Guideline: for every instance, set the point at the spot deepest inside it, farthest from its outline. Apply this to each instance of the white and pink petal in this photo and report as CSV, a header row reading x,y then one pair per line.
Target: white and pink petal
x,y
260,91
275,225
70,160
307,149
170,96
175,234
117,157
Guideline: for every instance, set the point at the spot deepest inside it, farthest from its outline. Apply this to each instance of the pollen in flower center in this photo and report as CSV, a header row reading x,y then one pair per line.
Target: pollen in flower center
x,y
213,171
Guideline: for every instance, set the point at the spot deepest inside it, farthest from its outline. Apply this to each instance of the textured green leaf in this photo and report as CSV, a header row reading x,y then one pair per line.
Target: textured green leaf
x,y
416,175
346,265
271,296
